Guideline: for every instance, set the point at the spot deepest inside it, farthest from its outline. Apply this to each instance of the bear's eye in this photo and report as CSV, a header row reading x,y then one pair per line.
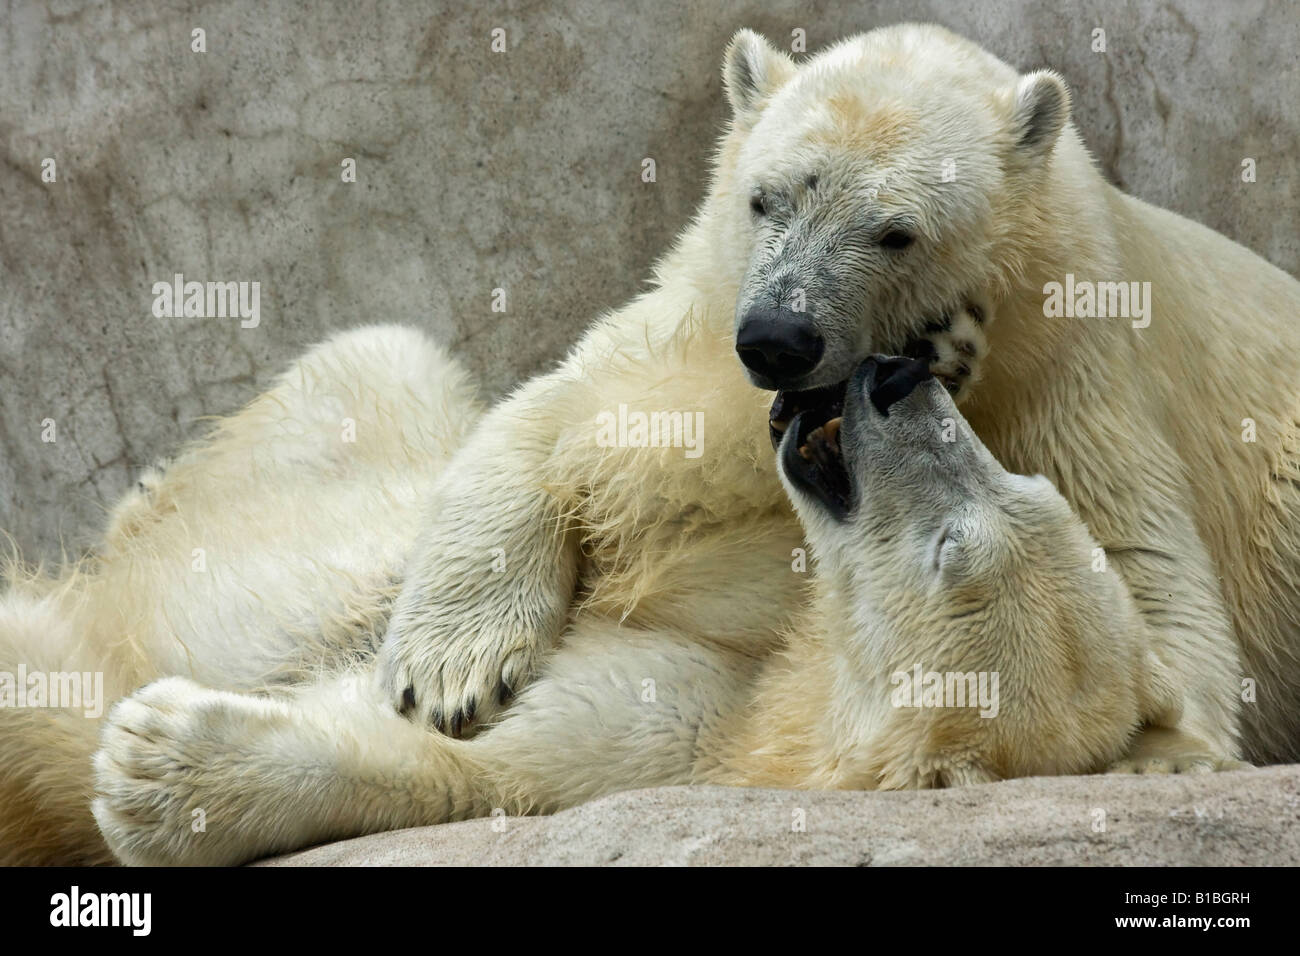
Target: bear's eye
x,y
896,239
758,203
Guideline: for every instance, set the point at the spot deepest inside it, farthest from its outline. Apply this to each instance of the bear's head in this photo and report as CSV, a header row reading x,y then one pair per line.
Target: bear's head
x,y
931,555
883,182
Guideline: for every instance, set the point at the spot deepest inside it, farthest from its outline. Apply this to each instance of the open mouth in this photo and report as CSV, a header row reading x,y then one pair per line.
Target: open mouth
x,y
808,425
814,458
826,403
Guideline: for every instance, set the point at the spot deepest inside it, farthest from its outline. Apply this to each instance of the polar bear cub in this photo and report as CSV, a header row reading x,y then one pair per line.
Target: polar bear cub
x,y
928,555
967,626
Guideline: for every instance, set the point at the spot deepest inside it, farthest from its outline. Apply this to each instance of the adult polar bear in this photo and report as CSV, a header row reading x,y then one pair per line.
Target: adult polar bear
x,y
829,185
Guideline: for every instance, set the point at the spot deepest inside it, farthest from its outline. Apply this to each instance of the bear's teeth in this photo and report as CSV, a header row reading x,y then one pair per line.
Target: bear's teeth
x,y
779,426
832,430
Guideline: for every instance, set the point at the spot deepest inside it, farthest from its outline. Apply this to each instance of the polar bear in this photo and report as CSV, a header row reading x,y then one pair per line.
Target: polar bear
x,y
831,193
892,194
942,561
964,627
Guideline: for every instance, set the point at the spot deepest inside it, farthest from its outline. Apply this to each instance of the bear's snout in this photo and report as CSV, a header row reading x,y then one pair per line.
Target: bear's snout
x,y
779,344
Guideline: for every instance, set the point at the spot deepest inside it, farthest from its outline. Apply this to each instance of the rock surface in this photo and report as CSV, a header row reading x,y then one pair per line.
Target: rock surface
x,y
1227,819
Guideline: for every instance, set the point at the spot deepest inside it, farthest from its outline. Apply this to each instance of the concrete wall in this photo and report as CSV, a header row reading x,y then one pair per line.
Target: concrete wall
x,y
474,171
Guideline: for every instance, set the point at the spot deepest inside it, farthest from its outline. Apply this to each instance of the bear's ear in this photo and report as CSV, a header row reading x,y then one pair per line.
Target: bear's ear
x,y
1041,111
752,70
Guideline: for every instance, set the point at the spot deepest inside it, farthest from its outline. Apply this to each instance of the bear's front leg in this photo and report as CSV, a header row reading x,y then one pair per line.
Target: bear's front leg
x,y
955,344
1165,750
488,588
1188,631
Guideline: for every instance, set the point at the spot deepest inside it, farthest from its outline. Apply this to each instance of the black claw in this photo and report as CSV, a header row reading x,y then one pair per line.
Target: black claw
x,y
455,723
408,701
504,694
976,313
469,711
437,720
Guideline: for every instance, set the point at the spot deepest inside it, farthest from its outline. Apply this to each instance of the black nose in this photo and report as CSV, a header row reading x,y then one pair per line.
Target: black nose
x,y
892,378
778,343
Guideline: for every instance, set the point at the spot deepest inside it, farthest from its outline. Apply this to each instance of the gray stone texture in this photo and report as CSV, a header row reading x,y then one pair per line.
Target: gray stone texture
x,y
1228,819
475,171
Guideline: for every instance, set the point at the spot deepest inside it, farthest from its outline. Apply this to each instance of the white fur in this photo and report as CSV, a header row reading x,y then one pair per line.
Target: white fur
x,y
682,566
300,535
1141,430
188,774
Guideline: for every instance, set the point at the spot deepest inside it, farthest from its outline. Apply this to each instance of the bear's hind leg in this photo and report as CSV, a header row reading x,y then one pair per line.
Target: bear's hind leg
x,y
194,776
190,775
